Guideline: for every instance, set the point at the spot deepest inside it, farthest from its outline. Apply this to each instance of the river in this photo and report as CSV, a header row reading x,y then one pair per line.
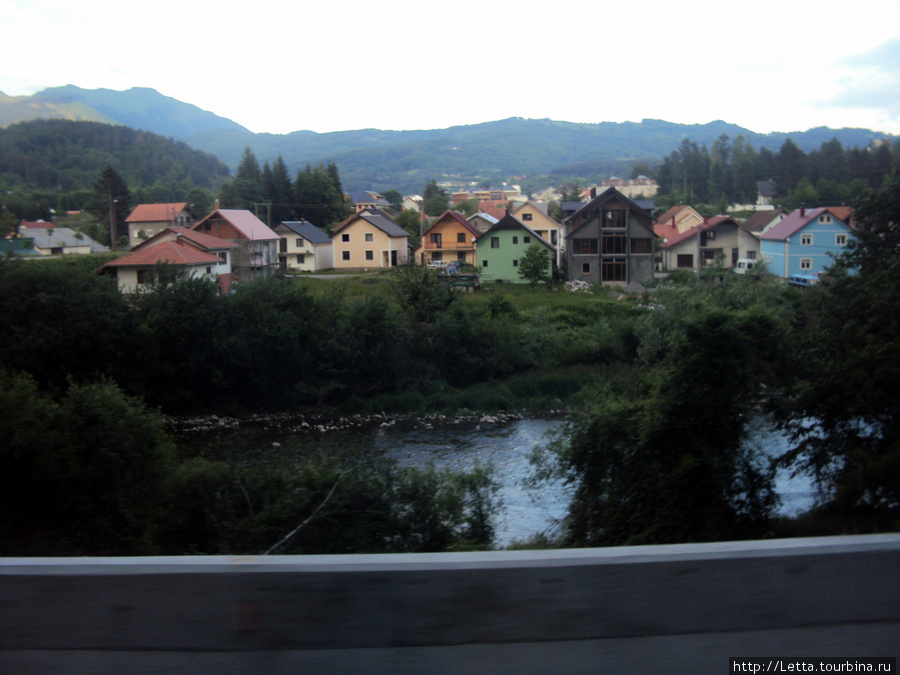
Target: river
x,y
463,444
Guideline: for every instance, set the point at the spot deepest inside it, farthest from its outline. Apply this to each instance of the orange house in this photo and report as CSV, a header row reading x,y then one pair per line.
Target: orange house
x,y
451,237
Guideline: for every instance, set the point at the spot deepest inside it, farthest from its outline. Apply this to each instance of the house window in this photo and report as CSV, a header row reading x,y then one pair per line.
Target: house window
x,y
515,263
300,259
370,255
461,257
614,244
515,240
526,217
585,268
613,270
751,255
710,234
526,240
149,233
840,240
806,239
437,256
144,277
224,256
298,242
495,242
825,219
436,239
612,218
685,261
584,246
553,237
805,263
209,270
460,237
484,263
345,255
370,236
345,238
641,245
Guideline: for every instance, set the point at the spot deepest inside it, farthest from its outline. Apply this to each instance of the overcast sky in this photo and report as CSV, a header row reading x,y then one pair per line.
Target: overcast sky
x,y
325,66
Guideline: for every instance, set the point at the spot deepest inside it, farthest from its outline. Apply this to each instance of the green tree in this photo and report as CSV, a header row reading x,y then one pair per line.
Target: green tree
x,y
279,192
395,199
845,414
319,197
659,454
434,199
790,166
111,197
82,476
535,265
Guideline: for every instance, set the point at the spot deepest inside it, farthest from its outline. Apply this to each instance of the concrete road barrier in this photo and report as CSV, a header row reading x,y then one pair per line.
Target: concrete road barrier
x,y
681,608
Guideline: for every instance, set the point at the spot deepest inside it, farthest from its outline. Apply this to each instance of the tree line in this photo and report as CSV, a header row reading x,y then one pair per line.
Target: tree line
x,y
727,173
315,194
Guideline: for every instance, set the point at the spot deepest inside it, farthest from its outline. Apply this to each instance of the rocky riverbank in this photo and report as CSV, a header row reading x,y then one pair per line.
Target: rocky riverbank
x,y
317,422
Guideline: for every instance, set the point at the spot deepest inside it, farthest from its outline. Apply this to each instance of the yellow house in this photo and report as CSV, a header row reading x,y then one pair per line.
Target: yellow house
x,y
451,237
544,226
369,240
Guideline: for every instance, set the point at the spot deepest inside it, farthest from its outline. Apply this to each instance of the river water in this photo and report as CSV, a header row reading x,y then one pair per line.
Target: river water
x,y
505,446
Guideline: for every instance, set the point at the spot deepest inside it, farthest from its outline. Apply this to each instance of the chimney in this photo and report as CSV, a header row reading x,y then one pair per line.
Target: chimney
x,y
802,210
217,205
593,192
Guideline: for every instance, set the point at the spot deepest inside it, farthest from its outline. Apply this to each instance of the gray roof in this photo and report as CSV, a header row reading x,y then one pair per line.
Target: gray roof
x,y
307,230
385,224
61,237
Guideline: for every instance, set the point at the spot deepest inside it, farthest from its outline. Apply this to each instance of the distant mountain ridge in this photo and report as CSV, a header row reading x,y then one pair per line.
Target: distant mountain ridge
x,y
406,160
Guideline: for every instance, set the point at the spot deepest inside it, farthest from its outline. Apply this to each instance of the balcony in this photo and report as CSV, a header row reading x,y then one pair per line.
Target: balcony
x,y
449,246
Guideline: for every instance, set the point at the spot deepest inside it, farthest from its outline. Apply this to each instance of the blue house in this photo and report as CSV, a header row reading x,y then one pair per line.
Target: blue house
x,y
804,242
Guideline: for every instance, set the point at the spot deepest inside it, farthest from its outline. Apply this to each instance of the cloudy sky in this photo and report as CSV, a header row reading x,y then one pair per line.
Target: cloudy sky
x,y
325,66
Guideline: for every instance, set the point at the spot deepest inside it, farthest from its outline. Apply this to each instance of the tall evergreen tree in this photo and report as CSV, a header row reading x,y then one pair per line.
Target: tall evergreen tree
x,y
111,197
790,164
279,191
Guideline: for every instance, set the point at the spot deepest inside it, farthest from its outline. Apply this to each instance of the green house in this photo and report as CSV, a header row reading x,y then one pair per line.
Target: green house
x,y
500,248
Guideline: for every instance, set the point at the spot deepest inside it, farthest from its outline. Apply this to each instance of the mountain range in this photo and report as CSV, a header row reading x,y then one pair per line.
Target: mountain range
x,y
372,159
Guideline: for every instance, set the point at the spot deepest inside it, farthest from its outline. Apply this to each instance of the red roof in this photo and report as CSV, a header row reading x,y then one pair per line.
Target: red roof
x,y
40,225
497,209
178,252
153,213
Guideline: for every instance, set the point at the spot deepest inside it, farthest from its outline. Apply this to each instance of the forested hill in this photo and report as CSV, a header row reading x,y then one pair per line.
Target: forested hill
x,y
536,152
65,155
495,151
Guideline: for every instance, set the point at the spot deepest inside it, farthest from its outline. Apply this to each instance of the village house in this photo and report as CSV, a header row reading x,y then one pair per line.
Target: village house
x,y
60,241
369,239
191,253
257,254
450,237
367,199
805,241
548,229
304,247
610,241
503,245
147,220
482,221
719,240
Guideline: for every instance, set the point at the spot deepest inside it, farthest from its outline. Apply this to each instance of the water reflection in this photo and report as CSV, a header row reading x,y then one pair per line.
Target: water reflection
x,y
507,447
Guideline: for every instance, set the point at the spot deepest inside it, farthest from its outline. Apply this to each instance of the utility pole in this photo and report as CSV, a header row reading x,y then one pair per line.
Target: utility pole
x,y
113,240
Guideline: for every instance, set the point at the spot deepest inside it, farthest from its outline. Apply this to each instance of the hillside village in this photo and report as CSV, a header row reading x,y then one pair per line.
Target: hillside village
x,y
613,236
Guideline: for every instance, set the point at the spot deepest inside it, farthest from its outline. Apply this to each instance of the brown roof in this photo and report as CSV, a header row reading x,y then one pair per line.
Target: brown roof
x,y
155,213
758,221
179,252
